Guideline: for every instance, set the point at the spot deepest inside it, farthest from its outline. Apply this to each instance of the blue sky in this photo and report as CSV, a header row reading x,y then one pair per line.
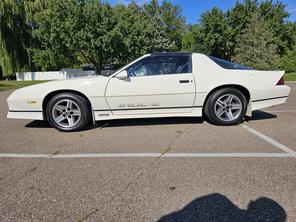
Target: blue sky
x,y
192,9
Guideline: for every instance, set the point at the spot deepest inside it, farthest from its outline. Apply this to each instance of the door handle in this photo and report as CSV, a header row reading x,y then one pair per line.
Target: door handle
x,y
184,81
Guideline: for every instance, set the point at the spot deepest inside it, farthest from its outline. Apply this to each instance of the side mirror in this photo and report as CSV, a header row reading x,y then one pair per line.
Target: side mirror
x,y
122,75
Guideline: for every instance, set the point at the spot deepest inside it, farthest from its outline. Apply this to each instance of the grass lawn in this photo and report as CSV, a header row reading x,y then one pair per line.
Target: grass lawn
x,y
13,84
290,76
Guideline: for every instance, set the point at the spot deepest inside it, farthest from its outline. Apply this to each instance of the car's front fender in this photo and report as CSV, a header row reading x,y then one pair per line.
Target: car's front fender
x,y
31,98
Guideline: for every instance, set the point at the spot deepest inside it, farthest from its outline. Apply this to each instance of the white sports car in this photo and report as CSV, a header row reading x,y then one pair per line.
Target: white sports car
x,y
155,85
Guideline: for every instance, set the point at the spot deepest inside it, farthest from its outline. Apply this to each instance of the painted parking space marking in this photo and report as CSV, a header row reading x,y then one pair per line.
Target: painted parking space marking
x,y
269,140
22,155
289,153
149,155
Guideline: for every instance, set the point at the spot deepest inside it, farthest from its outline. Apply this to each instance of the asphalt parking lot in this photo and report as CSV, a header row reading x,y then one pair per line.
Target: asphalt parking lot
x,y
173,169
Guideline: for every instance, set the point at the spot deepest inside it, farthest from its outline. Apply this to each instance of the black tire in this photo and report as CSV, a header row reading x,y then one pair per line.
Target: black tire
x,y
224,120
78,122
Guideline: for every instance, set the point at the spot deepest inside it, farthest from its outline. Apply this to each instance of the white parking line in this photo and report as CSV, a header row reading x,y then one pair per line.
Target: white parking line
x,y
149,155
289,153
269,140
22,155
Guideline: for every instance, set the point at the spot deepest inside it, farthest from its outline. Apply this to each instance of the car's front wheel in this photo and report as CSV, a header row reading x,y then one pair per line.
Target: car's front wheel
x,y
226,106
68,112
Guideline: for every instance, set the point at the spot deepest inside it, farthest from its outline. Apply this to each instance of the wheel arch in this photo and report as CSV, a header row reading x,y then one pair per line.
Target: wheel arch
x,y
241,88
56,92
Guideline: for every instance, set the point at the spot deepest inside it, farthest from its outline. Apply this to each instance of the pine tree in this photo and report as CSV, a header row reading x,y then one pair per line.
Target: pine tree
x,y
256,48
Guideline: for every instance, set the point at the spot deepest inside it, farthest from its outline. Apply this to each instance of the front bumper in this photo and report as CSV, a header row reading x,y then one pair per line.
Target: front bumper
x,y
36,115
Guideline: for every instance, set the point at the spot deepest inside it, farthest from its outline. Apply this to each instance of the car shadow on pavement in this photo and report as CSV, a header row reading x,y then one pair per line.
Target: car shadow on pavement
x,y
153,121
216,207
128,122
38,124
260,115
257,115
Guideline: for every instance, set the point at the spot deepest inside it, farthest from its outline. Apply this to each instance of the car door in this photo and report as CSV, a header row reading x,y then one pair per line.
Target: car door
x,y
156,84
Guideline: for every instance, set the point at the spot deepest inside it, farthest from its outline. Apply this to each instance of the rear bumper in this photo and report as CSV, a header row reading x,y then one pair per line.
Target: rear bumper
x,y
35,115
279,96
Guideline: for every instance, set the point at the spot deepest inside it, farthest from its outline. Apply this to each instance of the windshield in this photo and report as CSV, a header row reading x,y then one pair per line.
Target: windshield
x,y
229,65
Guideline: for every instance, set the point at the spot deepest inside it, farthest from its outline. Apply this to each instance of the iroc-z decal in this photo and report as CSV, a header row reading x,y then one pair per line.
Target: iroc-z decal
x,y
138,105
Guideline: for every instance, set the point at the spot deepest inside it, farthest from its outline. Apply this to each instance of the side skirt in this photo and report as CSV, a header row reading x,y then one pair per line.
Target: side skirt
x,y
107,115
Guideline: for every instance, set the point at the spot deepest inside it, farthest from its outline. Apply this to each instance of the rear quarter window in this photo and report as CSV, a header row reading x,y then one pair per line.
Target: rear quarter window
x,y
229,65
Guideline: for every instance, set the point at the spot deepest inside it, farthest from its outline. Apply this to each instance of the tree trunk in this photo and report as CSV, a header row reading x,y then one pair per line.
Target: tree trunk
x,y
99,67
1,74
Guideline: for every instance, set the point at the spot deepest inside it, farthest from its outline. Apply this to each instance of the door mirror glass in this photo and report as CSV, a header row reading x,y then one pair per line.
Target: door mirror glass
x,y
122,75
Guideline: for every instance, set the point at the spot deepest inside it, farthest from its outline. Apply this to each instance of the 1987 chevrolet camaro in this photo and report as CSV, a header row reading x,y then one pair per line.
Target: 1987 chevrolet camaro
x,y
155,85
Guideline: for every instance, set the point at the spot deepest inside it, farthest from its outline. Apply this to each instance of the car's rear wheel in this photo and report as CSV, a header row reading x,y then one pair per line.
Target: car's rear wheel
x,y
226,106
68,112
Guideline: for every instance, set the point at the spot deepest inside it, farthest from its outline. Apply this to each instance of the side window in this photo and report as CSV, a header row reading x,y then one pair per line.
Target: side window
x,y
229,65
161,65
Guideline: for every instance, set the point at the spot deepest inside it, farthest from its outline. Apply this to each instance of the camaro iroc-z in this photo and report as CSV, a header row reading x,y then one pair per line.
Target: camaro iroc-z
x,y
155,85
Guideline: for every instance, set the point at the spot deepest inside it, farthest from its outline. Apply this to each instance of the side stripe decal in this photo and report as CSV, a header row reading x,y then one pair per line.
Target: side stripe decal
x,y
185,107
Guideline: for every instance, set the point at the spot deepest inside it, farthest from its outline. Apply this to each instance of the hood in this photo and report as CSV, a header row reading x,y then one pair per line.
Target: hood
x,y
90,86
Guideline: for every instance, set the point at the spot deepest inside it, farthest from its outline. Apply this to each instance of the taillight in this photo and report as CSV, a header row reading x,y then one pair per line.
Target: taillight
x,y
281,82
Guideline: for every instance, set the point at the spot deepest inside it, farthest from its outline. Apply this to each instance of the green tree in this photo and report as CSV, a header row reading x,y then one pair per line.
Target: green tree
x,y
273,13
14,37
174,23
190,42
189,38
170,20
95,36
71,33
56,26
256,48
275,16
213,33
290,34
289,60
32,8
219,33
237,20
137,33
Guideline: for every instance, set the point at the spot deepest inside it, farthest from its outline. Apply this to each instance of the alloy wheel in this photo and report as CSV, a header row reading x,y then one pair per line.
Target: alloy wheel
x,y
228,107
66,113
